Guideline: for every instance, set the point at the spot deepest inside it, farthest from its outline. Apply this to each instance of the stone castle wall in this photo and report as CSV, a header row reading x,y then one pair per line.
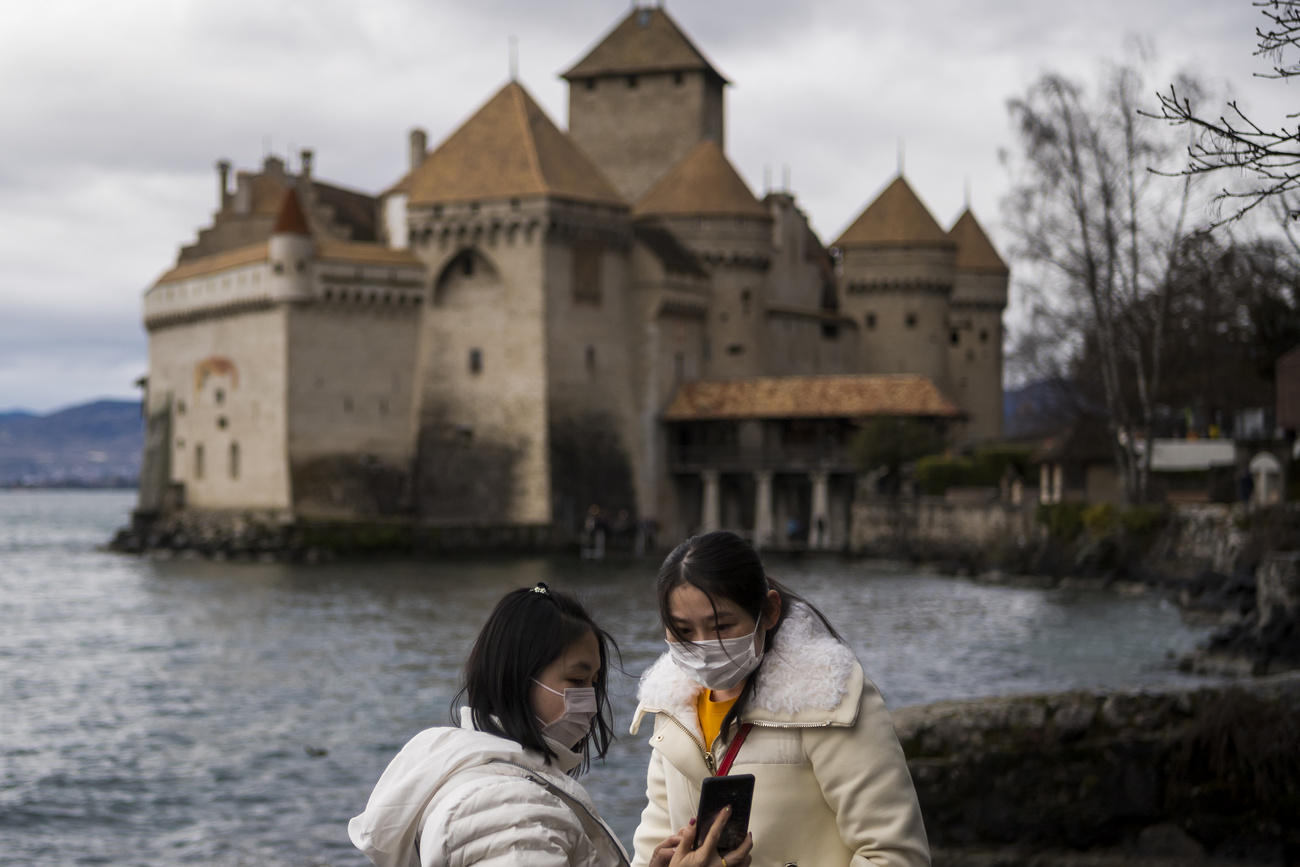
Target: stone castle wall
x,y
227,380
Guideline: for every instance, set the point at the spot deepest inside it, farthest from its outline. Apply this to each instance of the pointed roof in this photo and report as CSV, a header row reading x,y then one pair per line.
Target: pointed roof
x,y
702,183
291,220
508,148
975,252
896,217
647,40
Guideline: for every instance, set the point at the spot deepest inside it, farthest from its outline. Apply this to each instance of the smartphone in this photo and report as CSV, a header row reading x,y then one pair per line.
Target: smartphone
x,y
735,791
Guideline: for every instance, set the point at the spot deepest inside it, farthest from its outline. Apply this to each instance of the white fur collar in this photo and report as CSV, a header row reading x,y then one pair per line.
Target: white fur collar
x,y
806,671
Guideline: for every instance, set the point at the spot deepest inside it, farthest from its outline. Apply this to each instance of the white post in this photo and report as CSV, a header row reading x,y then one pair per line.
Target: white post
x,y
762,508
709,513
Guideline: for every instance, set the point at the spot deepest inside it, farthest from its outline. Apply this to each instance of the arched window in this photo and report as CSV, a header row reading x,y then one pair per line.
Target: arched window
x,y
234,460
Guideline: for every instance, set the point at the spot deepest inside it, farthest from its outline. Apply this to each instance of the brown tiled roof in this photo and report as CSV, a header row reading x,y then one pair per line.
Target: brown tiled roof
x,y
675,256
219,262
975,252
357,211
354,251
896,217
809,397
508,148
290,220
647,40
702,183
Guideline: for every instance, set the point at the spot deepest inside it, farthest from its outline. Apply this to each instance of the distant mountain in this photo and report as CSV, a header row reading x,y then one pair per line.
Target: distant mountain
x,y
1038,408
95,444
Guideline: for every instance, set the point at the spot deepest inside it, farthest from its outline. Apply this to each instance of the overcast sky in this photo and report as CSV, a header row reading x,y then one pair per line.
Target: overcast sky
x,y
115,112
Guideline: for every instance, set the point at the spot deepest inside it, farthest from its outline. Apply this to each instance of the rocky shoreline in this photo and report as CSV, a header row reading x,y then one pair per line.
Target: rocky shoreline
x,y
1185,776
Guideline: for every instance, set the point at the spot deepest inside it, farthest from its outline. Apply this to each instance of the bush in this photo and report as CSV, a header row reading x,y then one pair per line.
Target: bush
x,y
1142,520
1064,521
1100,519
984,469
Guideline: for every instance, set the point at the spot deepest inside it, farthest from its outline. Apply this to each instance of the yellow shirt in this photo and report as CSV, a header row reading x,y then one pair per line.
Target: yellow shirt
x,y
711,715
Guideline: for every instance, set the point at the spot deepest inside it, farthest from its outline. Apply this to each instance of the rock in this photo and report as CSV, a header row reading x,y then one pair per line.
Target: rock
x,y
1169,840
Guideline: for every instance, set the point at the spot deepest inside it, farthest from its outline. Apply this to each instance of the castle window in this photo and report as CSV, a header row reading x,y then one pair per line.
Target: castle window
x,y
278,267
954,337
631,82
678,78
473,207
736,349
830,330
234,460
586,274
180,407
591,359
198,460
744,301
467,264
180,443
220,396
910,320
984,335
514,204
476,361
222,422
871,320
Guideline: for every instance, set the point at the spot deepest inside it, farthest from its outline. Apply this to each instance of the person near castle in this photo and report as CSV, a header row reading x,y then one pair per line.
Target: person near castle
x,y
500,788
757,674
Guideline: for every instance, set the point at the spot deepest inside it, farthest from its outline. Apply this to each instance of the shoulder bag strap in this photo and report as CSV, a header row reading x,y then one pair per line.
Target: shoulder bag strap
x,y
733,749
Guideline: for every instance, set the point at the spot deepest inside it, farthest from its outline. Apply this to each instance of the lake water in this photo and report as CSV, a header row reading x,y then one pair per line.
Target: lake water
x,y
182,711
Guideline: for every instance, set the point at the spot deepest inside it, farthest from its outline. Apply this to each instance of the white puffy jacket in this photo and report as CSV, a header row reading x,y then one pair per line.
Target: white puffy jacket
x,y
832,787
456,796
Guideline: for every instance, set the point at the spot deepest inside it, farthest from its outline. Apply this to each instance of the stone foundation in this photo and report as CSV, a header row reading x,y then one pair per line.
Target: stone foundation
x,y
269,536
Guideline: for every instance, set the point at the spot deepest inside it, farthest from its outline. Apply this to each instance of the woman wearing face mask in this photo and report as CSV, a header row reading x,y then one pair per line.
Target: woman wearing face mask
x,y
499,788
758,674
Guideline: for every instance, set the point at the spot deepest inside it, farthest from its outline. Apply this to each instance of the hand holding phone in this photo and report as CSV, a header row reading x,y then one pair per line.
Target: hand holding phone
x,y
735,791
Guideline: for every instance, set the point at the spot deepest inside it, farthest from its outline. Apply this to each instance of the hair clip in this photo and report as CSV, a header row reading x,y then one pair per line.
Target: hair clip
x,y
542,588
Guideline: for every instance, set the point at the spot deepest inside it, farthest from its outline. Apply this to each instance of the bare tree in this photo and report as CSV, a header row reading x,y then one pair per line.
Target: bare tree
x,y
1102,236
1234,141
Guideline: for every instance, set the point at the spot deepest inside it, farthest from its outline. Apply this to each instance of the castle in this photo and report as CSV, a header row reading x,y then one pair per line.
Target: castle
x,y
533,320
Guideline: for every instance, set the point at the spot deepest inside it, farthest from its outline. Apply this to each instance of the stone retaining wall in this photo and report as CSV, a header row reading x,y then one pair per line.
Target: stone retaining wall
x,y
1206,772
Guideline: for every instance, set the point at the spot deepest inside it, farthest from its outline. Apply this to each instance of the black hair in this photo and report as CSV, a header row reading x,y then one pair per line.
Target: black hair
x,y
528,630
723,565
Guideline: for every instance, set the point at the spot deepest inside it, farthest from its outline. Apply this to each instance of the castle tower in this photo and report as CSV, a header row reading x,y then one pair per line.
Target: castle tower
x,y
975,339
705,203
642,98
290,249
524,398
898,283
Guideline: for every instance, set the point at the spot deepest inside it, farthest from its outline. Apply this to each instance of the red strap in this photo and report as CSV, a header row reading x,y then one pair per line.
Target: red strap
x,y
733,749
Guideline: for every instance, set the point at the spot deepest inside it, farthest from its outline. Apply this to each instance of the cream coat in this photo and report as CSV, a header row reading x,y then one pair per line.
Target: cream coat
x,y
454,797
831,783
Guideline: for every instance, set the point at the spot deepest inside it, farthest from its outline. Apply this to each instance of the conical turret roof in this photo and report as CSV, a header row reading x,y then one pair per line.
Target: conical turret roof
x,y
975,252
291,220
896,217
508,148
702,184
647,40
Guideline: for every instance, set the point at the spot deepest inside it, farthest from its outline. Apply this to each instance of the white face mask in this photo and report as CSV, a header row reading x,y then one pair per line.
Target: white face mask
x,y
579,710
718,664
